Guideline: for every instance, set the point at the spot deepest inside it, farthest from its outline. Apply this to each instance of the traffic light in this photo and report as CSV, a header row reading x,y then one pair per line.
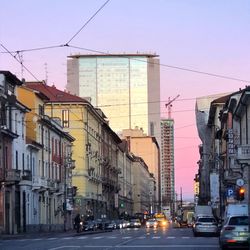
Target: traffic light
x,y
241,194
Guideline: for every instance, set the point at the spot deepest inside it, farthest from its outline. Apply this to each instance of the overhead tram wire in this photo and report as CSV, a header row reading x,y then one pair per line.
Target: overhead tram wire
x,y
166,65
86,23
19,61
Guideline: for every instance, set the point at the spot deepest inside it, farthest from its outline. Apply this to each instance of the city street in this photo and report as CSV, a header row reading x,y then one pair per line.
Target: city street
x,y
168,238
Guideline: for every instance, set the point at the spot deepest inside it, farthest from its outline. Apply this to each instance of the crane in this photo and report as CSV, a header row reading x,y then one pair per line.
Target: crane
x,y
169,105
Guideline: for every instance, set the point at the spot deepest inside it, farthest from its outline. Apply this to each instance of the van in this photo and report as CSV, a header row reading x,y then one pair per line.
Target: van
x,y
235,209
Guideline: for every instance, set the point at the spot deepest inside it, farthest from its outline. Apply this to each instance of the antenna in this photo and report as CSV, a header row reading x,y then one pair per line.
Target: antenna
x,y
46,73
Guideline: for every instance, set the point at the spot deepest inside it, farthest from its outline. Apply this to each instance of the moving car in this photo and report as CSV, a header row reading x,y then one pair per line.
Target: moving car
x,y
135,223
162,222
152,223
234,232
205,225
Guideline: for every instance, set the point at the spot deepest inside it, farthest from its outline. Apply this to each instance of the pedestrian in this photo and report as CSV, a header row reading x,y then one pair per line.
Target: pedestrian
x,y
77,223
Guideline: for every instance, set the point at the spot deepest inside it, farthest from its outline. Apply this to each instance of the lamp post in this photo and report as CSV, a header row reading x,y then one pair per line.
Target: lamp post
x,y
68,197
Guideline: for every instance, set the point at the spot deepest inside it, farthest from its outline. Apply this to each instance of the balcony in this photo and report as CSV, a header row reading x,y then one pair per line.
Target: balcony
x,y
27,176
243,153
39,183
12,175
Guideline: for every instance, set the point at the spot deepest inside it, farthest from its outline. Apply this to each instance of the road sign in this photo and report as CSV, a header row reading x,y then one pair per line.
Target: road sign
x,y
240,182
230,192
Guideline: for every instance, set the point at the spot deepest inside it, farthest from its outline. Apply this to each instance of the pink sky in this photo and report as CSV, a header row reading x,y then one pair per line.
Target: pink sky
x,y
209,36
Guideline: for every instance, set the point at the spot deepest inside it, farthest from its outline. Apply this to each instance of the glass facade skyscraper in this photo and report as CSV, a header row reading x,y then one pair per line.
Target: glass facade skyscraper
x,y
126,87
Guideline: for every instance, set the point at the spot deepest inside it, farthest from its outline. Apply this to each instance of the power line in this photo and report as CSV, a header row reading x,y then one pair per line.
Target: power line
x,y
19,62
86,23
167,65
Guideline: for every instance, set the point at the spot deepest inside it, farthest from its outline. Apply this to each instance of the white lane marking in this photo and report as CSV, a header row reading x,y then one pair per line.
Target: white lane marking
x,y
55,248
112,237
52,238
127,237
97,237
37,239
141,237
171,237
149,246
82,237
67,238
185,237
156,237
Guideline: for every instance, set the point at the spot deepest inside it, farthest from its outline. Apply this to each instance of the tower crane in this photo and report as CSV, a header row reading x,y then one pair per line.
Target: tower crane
x,y
169,105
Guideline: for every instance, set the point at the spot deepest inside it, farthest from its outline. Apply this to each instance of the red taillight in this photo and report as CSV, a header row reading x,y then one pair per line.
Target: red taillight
x,y
229,228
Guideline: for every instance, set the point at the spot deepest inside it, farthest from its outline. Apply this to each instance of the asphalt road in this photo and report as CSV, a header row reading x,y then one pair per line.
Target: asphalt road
x,y
139,239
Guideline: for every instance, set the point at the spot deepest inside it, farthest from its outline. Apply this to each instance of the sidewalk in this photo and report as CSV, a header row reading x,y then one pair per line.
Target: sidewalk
x,y
70,233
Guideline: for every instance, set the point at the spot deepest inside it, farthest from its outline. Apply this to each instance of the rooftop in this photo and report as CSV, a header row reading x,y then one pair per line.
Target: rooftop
x,y
54,94
115,55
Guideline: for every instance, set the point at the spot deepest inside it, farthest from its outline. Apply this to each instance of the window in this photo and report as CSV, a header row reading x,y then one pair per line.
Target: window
x,y
41,110
16,160
65,118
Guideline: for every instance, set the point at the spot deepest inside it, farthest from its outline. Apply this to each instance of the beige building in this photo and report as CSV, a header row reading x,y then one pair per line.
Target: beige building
x,y
143,187
147,148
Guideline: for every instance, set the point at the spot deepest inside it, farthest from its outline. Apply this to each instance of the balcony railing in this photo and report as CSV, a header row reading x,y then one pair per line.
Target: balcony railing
x,y
27,176
39,182
12,175
243,153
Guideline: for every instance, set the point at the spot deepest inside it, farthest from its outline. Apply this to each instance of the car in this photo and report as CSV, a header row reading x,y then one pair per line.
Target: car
x,y
162,222
119,224
135,223
234,232
152,223
90,226
205,225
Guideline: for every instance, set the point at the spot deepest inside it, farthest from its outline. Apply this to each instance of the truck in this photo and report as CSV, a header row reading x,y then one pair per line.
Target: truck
x,y
235,209
203,210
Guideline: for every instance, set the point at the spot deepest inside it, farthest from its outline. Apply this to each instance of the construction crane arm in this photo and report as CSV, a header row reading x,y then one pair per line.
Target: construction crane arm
x,y
169,105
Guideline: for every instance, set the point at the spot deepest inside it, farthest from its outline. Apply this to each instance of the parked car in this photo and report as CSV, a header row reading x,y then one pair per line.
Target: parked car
x,y
90,225
110,224
152,223
234,232
205,225
135,223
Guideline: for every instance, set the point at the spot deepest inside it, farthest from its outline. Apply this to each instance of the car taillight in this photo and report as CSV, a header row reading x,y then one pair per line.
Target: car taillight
x,y
229,228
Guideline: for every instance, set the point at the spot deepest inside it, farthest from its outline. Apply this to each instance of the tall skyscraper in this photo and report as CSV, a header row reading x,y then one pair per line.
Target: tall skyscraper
x,y
167,163
125,86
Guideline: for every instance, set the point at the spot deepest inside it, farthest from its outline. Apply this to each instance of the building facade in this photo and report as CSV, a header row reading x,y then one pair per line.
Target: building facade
x,y
125,86
147,148
167,164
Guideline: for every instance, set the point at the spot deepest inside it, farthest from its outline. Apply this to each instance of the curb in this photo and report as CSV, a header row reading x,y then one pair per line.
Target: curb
x,y
50,234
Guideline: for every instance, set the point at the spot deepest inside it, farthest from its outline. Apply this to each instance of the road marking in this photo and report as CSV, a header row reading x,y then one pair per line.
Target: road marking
x,y
185,237
55,248
37,239
67,238
171,237
156,237
97,237
112,237
126,237
149,246
82,237
52,238
141,237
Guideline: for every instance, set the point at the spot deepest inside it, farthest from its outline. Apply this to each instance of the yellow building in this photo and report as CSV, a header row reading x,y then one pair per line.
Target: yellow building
x,y
48,160
96,171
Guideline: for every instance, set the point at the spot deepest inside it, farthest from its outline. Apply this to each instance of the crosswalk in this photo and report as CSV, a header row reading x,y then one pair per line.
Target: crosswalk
x,y
92,237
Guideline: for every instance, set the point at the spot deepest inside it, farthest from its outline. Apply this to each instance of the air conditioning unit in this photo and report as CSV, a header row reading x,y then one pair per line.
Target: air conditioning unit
x,y
3,127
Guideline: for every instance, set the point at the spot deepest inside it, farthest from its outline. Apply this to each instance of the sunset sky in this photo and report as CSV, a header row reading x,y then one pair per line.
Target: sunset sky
x,y
208,36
